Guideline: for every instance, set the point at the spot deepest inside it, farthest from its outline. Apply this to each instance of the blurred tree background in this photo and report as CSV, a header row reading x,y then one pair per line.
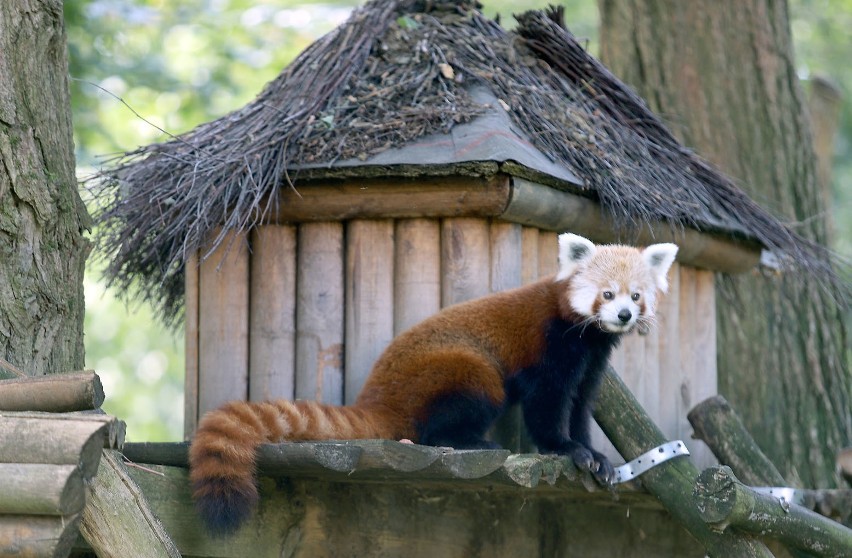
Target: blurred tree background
x,y
142,67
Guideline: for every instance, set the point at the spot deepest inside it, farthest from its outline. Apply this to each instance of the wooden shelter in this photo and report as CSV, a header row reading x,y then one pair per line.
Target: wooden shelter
x,y
416,157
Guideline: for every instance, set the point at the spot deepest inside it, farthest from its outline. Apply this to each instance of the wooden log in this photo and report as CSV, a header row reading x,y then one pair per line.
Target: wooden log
x,y
671,410
365,198
633,433
40,489
548,253
506,273
719,426
53,441
223,321
547,208
529,255
33,536
190,382
465,262
417,272
272,314
56,393
319,313
369,300
117,520
723,502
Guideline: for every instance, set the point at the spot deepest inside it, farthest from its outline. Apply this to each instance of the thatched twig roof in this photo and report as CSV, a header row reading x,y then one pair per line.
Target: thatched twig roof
x,y
397,71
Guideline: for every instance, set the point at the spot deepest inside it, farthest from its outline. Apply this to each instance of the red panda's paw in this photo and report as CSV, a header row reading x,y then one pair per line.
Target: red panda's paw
x,y
596,463
605,473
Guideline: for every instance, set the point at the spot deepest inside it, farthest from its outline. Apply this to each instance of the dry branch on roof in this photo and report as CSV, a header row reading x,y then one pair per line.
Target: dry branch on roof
x,y
394,72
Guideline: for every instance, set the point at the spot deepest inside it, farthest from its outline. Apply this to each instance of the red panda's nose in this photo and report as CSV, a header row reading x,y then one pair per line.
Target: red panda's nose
x,y
624,315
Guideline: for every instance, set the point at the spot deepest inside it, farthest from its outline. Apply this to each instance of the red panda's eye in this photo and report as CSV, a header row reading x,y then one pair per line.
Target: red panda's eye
x,y
608,295
635,296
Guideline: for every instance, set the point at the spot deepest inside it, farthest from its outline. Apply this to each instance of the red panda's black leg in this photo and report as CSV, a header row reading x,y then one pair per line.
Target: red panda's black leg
x,y
458,420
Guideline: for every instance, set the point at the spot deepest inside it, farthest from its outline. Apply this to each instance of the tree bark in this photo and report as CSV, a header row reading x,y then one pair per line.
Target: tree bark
x,y
42,218
722,74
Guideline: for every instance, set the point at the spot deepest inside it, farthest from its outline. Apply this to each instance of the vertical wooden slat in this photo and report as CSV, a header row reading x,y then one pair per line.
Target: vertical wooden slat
x,y
465,262
369,299
704,382
417,272
687,338
223,324
633,372
651,373
548,253
529,255
506,273
190,396
505,240
272,326
668,326
319,313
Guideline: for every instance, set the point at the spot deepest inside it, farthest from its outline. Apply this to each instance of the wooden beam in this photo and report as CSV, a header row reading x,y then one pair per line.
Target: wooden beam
x,y
724,502
633,433
417,272
223,322
190,385
368,300
319,313
465,261
38,536
272,314
53,440
716,423
56,393
366,198
40,489
117,520
547,208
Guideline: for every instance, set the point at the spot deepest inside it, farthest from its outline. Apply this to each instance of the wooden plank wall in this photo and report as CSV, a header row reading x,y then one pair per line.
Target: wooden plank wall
x,y
327,298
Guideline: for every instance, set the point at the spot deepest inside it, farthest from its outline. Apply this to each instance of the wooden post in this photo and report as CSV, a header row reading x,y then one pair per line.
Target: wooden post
x,y
369,299
37,536
319,313
223,285
41,489
548,253
417,272
272,328
506,273
704,381
190,382
723,502
668,326
117,520
529,255
465,263
633,433
56,393
716,423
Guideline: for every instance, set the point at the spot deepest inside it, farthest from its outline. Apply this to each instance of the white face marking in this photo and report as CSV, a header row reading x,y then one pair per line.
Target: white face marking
x,y
611,310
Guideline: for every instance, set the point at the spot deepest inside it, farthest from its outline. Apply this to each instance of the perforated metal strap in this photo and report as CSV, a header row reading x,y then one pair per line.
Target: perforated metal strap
x,y
649,460
783,493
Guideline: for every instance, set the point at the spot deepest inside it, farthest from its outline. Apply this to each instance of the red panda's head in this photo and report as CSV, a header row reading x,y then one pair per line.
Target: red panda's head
x,y
613,286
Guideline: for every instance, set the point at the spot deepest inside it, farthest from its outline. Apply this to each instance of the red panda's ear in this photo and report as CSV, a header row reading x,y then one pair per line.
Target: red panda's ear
x,y
659,258
573,251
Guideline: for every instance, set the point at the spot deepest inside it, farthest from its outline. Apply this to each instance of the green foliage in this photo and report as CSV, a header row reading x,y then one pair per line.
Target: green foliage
x,y
178,64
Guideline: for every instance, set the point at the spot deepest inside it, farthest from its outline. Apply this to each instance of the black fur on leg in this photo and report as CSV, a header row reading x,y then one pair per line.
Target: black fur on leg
x,y
459,421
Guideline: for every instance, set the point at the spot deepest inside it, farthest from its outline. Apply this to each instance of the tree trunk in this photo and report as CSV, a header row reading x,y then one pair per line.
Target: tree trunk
x,y
42,219
722,74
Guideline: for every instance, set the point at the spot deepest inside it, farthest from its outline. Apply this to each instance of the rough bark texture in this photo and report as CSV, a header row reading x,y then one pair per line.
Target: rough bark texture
x,y
42,219
722,75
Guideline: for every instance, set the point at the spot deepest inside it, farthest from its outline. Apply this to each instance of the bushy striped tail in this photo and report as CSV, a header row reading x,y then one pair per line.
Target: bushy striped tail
x,y
224,451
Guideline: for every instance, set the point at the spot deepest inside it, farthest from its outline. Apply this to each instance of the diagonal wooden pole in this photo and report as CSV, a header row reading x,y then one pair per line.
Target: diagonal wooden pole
x,y
632,432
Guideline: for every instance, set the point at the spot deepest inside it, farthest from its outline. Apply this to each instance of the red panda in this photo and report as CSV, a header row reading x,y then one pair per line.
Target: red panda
x,y
446,380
